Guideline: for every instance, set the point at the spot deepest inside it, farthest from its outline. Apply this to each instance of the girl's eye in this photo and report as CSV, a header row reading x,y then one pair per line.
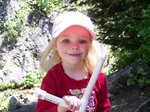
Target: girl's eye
x,y
83,41
66,41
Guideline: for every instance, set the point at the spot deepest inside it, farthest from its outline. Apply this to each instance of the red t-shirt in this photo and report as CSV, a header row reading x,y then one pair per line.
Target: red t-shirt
x,y
56,82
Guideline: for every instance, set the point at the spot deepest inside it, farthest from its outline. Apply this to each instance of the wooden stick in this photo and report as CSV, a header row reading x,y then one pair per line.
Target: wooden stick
x,y
91,84
93,79
41,94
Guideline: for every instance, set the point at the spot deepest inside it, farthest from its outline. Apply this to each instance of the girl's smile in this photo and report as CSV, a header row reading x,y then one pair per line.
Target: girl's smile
x,y
74,54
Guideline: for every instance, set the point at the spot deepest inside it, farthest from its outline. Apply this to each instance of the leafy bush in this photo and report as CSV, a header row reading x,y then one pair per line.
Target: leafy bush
x,y
62,5
49,5
125,25
16,21
8,84
33,78
143,29
4,100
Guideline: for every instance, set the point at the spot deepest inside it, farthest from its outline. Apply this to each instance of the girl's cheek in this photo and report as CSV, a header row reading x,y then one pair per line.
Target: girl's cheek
x,y
64,45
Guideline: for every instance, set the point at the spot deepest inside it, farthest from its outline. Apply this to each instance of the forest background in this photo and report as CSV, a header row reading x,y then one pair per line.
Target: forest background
x,y
122,24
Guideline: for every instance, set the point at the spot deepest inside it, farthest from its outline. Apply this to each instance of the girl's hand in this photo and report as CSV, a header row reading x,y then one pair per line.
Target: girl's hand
x,y
73,103
61,109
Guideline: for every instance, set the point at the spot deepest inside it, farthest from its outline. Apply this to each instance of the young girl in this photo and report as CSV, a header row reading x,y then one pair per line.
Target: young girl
x,y
70,59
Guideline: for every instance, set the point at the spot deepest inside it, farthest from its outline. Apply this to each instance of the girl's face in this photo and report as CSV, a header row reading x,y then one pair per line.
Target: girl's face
x,y
73,45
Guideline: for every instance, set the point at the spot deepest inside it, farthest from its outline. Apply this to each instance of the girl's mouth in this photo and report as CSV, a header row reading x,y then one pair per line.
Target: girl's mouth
x,y
75,54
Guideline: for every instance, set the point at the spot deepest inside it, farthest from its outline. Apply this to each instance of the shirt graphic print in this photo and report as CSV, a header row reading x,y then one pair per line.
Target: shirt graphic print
x,y
79,93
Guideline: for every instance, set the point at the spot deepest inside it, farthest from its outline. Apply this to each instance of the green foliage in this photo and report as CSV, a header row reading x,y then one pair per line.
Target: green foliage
x,y
62,5
79,5
30,80
49,5
16,21
140,78
33,78
8,84
4,100
143,51
48,8
144,35
125,25
120,60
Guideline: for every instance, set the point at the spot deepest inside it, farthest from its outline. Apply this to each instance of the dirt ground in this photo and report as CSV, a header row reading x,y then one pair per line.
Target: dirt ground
x,y
132,99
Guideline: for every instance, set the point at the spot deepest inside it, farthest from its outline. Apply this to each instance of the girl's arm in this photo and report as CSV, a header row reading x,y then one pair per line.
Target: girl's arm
x,y
72,102
49,85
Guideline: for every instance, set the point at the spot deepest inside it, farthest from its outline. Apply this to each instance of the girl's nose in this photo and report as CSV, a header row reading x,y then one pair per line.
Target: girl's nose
x,y
75,46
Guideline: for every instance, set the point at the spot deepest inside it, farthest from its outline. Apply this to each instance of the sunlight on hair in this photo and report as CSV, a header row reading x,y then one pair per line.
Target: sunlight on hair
x,y
50,56
97,50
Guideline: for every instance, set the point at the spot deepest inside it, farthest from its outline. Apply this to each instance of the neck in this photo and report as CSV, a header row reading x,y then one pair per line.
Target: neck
x,y
77,72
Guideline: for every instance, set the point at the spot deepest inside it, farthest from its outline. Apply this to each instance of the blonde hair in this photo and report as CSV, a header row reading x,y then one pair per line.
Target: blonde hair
x,y
50,56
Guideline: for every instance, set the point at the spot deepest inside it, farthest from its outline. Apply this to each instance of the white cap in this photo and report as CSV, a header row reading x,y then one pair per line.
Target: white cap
x,y
71,18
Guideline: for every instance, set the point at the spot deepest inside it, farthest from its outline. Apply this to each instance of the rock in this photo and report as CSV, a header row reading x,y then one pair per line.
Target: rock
x,y
27,108
144,107
118,81
124,98
14,104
